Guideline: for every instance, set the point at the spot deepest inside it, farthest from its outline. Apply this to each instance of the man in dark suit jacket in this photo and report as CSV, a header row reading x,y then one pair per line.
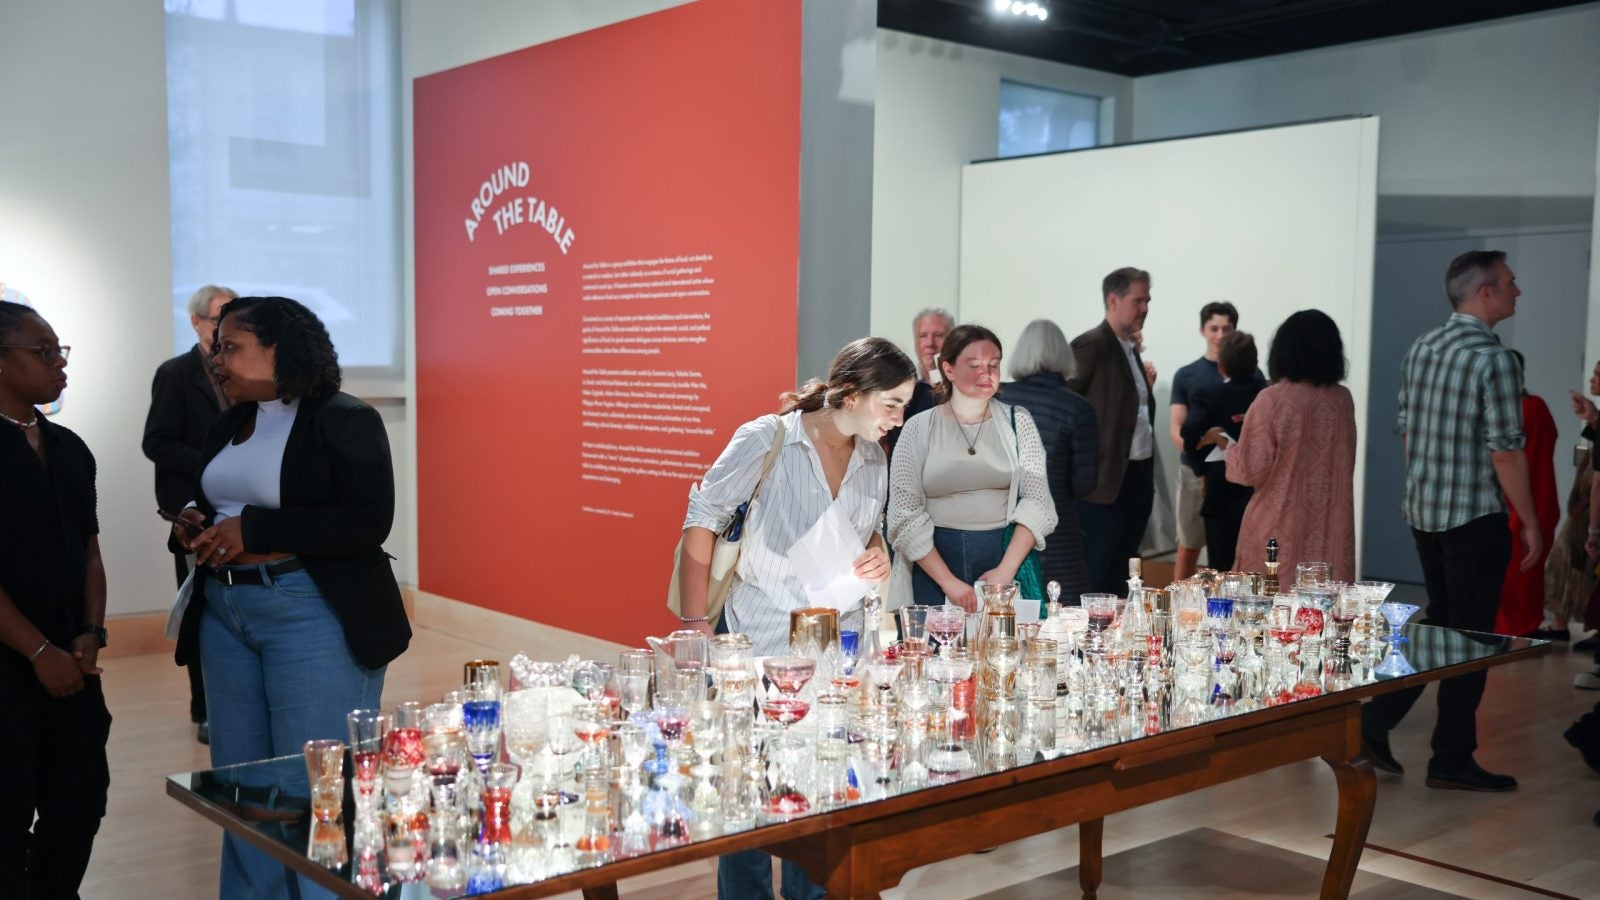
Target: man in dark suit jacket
x,y
1112,377
184,402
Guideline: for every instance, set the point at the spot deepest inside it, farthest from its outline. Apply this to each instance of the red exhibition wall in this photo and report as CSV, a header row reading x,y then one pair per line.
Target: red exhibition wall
x,y
607,239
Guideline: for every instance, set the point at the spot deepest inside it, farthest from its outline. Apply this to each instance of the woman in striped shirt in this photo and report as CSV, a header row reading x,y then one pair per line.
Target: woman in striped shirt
x,y
830,456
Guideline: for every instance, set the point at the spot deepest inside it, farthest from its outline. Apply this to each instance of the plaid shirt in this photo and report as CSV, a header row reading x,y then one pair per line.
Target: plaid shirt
x,y
1460,400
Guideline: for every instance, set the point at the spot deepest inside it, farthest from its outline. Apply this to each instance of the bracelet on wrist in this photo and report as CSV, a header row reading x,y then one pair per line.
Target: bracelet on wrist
x,y
1594,530
39,651
689,620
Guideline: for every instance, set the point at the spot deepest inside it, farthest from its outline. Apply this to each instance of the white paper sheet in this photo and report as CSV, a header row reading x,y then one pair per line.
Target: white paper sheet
x,y
824,560
1217,454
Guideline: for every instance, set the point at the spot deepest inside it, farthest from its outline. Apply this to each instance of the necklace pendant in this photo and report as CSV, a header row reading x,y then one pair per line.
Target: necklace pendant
x,y
972,451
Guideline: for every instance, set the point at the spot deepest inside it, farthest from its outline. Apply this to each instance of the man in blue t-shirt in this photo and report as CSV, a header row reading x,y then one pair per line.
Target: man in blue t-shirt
x,y
1217,320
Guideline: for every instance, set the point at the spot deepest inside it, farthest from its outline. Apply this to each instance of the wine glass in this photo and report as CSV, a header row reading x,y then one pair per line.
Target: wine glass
x,y
883,667
946,624
789,674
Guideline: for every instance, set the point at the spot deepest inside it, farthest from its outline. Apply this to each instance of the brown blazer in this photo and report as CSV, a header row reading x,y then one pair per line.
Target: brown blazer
x,y
1105,380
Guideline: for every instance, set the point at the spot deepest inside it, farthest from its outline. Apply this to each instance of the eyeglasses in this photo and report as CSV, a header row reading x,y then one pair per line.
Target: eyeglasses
x,y
50,355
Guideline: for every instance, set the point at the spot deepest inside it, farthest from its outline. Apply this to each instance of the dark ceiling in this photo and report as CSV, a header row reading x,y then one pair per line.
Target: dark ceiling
x,y
1143,37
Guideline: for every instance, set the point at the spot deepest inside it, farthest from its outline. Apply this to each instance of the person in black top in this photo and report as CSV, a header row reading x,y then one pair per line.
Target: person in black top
x,y
295,612
1040,366
52,618
1215,416
185,401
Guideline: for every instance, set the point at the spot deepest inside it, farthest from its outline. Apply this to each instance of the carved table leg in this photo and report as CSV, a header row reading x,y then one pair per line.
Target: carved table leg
x,y
602,892
1358,790
1089,834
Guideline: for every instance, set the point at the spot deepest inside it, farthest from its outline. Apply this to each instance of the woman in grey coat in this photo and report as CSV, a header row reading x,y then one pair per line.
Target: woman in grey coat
x,y
1040,366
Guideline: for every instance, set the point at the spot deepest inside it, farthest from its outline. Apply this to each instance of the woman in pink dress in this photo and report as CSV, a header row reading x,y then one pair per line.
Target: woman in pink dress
x,y
1298,450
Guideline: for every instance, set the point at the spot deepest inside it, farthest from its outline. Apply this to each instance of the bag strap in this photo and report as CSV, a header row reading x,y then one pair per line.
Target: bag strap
x,y
1017,439
771,457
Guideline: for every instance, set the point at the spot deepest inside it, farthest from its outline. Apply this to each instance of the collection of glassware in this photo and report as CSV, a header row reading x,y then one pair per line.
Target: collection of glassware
x,y
578,763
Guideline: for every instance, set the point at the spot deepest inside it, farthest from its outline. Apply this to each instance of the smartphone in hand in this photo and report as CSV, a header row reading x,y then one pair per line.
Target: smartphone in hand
x,y
193,527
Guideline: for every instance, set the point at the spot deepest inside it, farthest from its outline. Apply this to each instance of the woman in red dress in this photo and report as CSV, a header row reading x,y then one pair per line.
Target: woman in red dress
x,y
1522,596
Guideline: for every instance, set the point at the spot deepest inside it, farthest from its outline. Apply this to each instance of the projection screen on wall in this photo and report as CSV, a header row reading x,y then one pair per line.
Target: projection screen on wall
x,y
1273,220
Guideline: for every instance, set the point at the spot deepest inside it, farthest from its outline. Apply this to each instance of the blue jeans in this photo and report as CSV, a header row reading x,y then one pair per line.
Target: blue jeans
x,y
968,554
277,674
747,875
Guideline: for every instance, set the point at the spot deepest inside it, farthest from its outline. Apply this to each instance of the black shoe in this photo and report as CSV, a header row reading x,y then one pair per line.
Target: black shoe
x,y
1471,777
1591,753
202,733
1587,645
1376,751
1550,634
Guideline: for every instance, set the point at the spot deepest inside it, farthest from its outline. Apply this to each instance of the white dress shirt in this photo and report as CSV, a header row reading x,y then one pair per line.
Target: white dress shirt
x,y
1143,445
794,497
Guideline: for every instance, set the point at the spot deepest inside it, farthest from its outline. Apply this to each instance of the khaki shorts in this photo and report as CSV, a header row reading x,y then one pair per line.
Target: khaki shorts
x,y
1191,491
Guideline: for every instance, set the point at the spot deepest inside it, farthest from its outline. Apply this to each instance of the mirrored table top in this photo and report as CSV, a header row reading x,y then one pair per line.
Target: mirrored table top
x,y
268,800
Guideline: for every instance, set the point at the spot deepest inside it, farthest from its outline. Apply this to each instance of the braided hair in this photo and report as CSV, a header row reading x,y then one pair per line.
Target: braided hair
x,y
11,315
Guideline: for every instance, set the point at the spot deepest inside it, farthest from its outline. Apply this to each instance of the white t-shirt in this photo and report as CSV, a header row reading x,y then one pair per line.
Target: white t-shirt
x,y
1143,445
251,473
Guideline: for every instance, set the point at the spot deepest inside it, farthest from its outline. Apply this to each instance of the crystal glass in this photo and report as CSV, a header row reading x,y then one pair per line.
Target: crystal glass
x,y
494,836
325,775
1283,626
480,714
1312,573
1396,615
402,748
914,628
367,730
634,671
591,723
946,624
733,667
589,679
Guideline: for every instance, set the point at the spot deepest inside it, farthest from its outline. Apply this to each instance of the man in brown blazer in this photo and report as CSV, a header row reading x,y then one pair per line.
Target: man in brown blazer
x,y
1112,377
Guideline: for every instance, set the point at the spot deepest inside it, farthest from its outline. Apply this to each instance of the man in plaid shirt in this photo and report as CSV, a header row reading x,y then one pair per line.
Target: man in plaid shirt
x,y
1461,422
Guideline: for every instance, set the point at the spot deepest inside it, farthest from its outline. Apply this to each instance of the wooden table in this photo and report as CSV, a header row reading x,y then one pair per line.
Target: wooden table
x,y
861,850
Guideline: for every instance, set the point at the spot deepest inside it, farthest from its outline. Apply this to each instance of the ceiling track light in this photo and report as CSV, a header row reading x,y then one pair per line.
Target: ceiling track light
x,y
1030,8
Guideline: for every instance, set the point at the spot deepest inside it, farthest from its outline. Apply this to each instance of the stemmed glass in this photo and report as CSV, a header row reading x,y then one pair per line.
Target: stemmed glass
x,y
480,713
368,727
883,668
591,723
592,679
789,674
946,624
1396,615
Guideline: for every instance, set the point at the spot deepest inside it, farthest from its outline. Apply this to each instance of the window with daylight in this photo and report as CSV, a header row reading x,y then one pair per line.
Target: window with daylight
x,y
1044,120
283,123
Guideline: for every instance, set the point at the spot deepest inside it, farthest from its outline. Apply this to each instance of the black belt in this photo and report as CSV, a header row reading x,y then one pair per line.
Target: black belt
x,y
232,575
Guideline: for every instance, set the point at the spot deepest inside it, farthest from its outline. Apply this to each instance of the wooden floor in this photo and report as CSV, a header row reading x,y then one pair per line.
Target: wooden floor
x,y
1269,832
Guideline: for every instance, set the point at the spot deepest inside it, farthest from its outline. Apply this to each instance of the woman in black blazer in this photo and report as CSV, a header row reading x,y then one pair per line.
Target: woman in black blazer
x,y
295,611
1216,416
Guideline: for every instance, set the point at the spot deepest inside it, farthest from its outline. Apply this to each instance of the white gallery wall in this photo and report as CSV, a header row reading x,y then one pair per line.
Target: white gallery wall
x,y
1275,220
938,108
84,232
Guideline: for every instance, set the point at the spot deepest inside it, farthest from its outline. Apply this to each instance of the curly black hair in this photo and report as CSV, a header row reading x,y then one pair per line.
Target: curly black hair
x,y
307,364
1307,348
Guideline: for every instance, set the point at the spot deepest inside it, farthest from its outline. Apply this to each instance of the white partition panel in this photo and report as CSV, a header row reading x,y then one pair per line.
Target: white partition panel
x,y
1274,220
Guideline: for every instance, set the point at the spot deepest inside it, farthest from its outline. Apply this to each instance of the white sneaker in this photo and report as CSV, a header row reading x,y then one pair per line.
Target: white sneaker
x,y
1588,681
